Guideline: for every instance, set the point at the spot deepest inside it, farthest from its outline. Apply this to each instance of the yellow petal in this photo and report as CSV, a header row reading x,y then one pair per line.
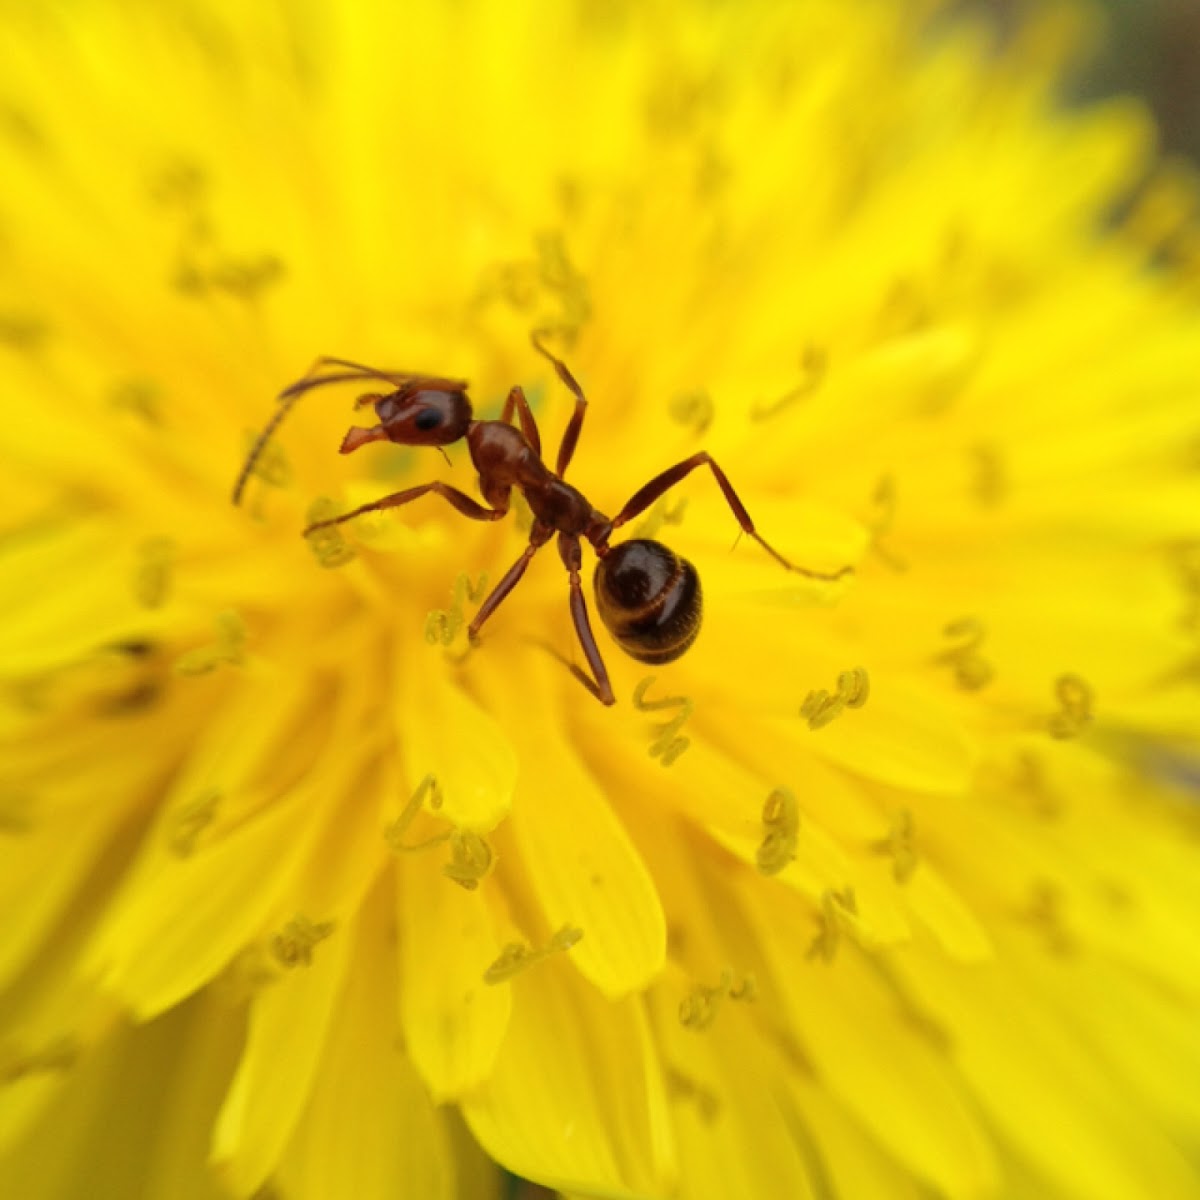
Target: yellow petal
x,y
99,1130
397,1143
945,914
290,1019
579,861
596,1119
879,1059
1031,1071
446,734
721,1103
452,1021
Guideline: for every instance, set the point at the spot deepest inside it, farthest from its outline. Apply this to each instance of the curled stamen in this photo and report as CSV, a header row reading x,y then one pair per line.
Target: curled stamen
x,y
514,283
854,686
971,670
517,956
1076,696
471,858
293,945
814,362
442,626
836,907
699,1008
820,708
561,276
527,284
667,744
328,544
187,824
900,844
693,409
203,265
229,648
781,829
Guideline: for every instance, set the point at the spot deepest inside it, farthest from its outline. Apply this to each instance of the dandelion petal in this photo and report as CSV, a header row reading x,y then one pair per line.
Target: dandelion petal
x,y
452,1021
289,1021
567,1132
398,1143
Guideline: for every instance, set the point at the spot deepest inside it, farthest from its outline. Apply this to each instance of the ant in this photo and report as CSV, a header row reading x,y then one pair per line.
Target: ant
x,y
647,596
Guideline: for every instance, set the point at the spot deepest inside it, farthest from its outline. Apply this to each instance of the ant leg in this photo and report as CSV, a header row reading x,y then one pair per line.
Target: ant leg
x,y
601,688
575,424
460,500
538,537
516,399
662,483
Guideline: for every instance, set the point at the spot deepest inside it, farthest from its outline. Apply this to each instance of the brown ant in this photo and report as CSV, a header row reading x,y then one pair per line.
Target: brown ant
x,y
647,596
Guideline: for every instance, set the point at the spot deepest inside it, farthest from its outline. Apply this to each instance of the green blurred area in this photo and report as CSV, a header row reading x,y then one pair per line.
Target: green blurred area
x,y
1150,47
1153,48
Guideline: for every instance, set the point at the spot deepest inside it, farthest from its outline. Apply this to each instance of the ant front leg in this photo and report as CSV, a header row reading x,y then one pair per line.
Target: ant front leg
x,y
539,535
662,483
516,400
575,425
600,687
459,500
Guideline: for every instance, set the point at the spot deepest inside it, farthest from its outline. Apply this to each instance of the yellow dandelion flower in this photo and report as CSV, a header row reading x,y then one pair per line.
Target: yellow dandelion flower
x,y
887,887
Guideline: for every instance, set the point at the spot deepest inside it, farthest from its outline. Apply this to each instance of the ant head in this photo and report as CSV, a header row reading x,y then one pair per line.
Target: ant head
x,y
415,417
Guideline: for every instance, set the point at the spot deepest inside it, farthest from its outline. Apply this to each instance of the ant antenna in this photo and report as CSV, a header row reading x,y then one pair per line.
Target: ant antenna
x,y
290,394
260,444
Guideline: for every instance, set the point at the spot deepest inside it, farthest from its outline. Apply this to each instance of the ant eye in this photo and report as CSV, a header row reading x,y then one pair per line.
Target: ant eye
x,y
428,418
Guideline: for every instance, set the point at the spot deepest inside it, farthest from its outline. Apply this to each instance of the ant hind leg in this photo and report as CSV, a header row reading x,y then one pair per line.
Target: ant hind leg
x,y
665,480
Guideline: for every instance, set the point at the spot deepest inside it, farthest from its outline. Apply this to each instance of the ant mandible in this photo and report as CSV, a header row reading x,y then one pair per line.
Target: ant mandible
x,y
647,596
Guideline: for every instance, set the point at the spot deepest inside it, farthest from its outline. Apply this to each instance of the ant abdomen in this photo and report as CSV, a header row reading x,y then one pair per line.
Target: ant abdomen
x,y
649,599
